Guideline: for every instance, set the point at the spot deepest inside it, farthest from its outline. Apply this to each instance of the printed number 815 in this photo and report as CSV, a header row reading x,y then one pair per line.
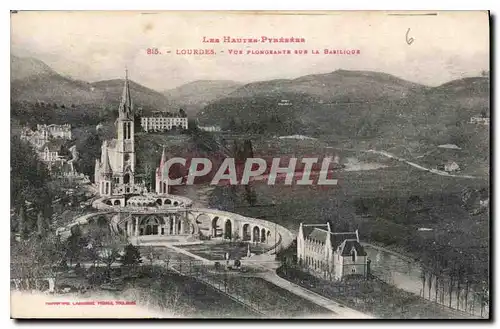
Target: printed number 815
x,y
153,51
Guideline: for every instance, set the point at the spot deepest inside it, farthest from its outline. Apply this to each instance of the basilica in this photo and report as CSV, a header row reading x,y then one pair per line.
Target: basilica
x,y
115,171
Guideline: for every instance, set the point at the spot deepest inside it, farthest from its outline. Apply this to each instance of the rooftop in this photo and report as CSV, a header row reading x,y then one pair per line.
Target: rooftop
x,y
317,234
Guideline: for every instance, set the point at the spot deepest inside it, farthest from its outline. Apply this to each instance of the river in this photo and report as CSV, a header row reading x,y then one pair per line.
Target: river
x,y
393,269
406,274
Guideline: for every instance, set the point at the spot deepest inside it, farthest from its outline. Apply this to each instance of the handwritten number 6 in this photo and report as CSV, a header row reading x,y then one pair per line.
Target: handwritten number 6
x,y
409,40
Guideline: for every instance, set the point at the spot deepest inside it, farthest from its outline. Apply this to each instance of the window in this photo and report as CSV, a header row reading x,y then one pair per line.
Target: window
x,y
353,254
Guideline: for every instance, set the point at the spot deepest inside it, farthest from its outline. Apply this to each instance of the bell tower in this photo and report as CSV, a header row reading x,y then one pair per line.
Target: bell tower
x,y
125,140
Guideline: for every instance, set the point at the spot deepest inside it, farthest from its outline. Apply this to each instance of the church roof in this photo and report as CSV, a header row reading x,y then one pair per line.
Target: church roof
x,y
106,166
126,105
347,246
163,158
320,235
307,230
337,238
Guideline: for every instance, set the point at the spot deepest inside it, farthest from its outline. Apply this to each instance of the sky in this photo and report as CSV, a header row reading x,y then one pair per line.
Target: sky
x,y
92,46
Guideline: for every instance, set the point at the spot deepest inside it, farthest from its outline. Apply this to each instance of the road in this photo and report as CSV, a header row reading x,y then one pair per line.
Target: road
x,y
341,311
416,165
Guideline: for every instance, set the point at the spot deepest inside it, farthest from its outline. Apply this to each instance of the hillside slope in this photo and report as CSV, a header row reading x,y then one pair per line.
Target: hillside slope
x,y
334,86
144,97
343,103
195,95
34,81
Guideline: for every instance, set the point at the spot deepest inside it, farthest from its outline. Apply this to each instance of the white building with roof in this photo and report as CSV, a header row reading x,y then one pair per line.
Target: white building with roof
x,y
331,255
163,122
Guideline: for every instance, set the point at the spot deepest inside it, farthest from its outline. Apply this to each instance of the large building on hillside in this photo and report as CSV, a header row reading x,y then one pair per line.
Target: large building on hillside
x,y
50,143
115,171
331,255
44,133
61,131
161,122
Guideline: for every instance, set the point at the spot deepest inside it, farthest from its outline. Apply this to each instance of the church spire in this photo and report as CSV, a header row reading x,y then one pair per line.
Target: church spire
x,y
163,158
106,165
126,106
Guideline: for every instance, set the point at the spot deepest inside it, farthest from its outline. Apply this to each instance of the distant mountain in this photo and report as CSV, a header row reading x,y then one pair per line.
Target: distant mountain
x,y
334,86
441,115
345,103
142,96
374,107
22,68
195,95
34,81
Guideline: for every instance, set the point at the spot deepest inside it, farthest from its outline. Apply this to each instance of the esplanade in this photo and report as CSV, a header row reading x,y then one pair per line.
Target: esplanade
x,y
170,218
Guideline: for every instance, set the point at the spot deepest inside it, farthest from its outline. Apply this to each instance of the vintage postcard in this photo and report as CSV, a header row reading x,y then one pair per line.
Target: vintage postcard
x,y
289,165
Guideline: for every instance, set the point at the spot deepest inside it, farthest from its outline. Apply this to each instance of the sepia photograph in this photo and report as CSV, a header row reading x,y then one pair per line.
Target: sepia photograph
x,y
250,165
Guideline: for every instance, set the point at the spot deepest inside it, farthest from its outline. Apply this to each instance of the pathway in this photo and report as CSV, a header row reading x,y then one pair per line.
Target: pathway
x,y
416,165
341,310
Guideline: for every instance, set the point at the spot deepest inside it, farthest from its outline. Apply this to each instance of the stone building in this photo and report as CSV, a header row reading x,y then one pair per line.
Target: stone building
x,y
330,255
44,133
115,171
57,131
162,122
480,120
451,166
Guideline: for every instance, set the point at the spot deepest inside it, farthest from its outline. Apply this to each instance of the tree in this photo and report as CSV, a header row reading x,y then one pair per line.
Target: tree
x,y
423,277
29,178
182,113
250,195
148,174
36,257
131,256
167,259
22,229
180,260
73,246
109,251
151,254
41,224
232,125
89,150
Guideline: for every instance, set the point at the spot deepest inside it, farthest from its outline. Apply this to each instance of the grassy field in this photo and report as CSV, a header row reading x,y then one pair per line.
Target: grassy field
x,y
188,297
373,297
217,250
166,255
268,298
